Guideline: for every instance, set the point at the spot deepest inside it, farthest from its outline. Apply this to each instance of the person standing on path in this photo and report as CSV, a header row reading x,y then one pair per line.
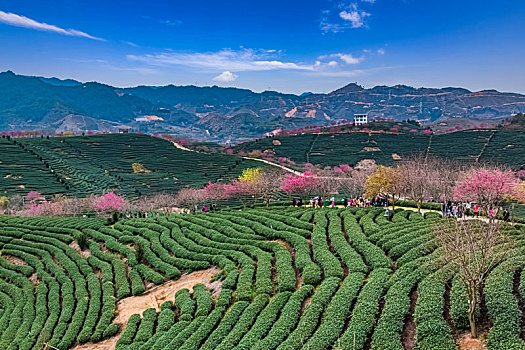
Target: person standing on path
x,y
506,215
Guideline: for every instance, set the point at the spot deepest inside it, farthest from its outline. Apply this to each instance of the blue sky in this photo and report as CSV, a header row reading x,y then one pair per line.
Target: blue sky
x,y
288,46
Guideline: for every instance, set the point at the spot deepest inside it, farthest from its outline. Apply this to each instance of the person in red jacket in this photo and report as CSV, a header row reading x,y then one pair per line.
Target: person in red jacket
x,y
476,209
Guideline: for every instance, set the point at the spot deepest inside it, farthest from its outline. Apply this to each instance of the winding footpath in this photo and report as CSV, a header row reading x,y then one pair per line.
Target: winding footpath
x,y
289,170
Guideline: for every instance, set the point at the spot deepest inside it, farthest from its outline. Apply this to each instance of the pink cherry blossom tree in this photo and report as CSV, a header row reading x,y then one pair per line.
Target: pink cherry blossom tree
x,y
108,202
45,208
300,185
33,196
216,192
489,187
345,168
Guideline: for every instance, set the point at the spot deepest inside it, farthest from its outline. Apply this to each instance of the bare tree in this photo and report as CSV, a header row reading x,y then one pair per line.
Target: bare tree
x,y
190,197
419,174
15,204
159,201
353,183
268,184
473,248
442,178
73,206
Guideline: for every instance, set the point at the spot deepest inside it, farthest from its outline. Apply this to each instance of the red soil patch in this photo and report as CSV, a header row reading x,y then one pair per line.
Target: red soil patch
x,y
466,342
85,253
153,298
14,260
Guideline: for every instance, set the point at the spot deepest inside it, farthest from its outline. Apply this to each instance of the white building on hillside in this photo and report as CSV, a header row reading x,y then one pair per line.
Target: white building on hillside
x,y
360,119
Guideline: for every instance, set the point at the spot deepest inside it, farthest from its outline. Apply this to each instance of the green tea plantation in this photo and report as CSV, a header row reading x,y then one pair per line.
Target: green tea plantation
x,y
84,165
500,146
285,278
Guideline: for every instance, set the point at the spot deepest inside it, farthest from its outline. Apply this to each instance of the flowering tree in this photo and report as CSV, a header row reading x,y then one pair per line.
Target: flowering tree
x,y
300,185
215,192
488,187
33,196
108,202
3,202
238,189
345,168
45,208
385,181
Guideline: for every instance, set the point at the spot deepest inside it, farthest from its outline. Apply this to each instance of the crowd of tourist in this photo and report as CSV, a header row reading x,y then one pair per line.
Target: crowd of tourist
x,y
448,208
319,202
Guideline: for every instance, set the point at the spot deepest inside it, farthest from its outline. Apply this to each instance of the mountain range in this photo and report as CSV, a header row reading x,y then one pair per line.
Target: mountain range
x,y
228,114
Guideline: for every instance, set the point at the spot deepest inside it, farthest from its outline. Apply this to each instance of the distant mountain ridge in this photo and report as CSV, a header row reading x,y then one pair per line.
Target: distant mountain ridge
x,y
228,114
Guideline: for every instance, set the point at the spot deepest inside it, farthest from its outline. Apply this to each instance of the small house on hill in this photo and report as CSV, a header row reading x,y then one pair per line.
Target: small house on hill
x,y
360,119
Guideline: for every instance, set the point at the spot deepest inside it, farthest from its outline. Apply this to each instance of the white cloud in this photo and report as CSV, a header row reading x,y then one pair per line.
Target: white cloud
x,y
130,43
349,59
22,21
338,74
344,15
225,77
224,60
355,17
346,58
168,22
381,51
333,63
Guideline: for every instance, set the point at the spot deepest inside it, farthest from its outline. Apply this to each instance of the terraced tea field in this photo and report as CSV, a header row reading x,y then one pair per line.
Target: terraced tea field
x,y
286,278
81,166
499,146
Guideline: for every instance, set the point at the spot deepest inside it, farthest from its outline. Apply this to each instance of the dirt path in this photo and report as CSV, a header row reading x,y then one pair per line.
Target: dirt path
x,y
485,145
311,148
446,310
408,336
290,170
153,298
368,343
519,298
